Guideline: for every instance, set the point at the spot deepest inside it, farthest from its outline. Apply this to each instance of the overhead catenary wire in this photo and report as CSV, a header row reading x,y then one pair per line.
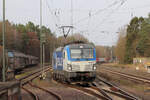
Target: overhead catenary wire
x,y
99,11
54,16
106,18
123,12
94,13
56,24
121,3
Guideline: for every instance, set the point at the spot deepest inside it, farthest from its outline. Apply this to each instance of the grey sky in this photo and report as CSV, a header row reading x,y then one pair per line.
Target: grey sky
x,y
100,27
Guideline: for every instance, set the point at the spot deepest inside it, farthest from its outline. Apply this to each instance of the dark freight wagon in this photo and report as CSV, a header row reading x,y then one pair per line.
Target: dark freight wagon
x,y
15,61
18,60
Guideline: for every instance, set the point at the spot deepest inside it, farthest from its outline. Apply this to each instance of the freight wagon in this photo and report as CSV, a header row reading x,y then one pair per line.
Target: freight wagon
x,y
18,61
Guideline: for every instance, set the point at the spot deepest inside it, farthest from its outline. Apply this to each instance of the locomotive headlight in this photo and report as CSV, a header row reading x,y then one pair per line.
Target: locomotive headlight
x,y
69,67
94,67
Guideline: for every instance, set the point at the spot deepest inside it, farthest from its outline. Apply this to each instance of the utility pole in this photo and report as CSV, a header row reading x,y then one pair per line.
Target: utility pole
x,y
42,44
112,53
72,15
43,41
4,65
41,47
43,54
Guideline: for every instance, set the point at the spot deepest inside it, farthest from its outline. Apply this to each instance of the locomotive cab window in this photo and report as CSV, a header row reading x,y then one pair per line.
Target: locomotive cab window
x,y
81,53
87,53
76,53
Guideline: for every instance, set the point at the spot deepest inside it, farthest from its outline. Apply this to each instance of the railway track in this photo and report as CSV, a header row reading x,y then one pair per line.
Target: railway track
x,y
87,90
101,92
34,96
43,93
130,76
25,79
27,69
94,89
115,90
37,92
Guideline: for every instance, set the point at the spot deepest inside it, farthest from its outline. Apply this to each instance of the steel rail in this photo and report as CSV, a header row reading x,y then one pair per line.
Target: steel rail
x,y
88,91
35,97
124,93
24,77
33,76
138,78
119,94
104,91
58,97
96,87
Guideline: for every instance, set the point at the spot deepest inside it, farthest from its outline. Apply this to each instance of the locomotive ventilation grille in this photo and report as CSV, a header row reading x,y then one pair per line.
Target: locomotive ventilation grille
x,y
75,67
81,67
88,68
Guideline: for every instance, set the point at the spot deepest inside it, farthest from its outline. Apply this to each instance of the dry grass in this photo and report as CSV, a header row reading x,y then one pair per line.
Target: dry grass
x,y
22,75
130,66
119,65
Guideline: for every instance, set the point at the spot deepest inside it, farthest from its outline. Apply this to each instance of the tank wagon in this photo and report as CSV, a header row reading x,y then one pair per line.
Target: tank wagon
x,y
75,63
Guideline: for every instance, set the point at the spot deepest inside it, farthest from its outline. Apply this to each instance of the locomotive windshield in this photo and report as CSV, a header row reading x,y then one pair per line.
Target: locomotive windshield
x,y
81,53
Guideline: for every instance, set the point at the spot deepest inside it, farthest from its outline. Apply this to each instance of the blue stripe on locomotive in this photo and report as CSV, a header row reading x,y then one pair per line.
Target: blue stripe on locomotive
x,y
58,61
67,48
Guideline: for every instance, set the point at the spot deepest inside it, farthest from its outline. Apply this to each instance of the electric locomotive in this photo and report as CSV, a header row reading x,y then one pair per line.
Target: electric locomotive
x,y
75,62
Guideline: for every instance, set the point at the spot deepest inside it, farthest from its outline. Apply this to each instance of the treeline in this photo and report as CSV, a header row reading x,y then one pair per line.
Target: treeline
x,y
26,39
105,52
134,40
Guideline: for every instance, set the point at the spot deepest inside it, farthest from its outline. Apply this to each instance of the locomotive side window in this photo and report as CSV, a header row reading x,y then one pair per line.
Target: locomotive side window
x,y
54,61
64,55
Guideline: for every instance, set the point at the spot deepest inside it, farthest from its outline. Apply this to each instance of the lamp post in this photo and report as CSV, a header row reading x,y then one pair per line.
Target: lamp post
x,y
4,67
